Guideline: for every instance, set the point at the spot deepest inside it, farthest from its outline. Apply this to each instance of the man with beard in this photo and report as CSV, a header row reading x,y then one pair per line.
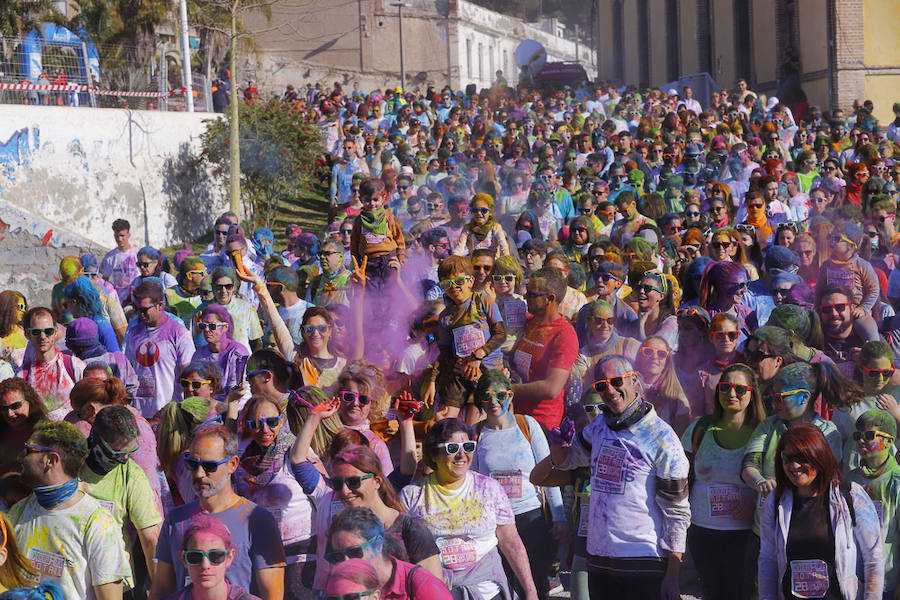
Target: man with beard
x,y
258,563
329,287
843,341
67,535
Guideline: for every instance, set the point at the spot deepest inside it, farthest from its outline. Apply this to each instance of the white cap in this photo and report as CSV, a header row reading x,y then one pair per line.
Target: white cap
x,y
672,92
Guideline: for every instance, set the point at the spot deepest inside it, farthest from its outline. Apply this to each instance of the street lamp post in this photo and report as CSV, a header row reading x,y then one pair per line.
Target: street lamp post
x,y
400,6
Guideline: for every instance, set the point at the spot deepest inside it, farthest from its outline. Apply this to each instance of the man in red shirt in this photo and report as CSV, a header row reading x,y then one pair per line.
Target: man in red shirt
x,y
545,353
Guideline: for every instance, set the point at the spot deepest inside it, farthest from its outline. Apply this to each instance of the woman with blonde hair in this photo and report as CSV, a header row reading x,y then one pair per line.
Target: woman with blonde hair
x,y
661,386
300,404
360,389
15,568
725,245
177,422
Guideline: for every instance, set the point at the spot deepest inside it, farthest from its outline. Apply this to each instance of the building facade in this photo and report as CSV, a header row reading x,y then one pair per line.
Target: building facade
x,y
845,49
444,42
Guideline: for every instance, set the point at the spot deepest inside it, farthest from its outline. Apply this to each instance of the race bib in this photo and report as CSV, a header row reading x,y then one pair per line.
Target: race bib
x,y
609,471
146,386
374,238
584,507
809,578
723,500
336,507
515,311
109,506
457,554
49,564
467,339
510,481
522,361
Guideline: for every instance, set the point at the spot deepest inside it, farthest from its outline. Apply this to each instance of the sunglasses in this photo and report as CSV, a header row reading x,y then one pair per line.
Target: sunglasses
x,y
721,245
611,321
321,329
194,384
203,326
270,422
37,331
433,206
195,557
644,288
453,448
12,407
790,457
144,265
870,435
208,466
223,286
617,382
739,388
353,483
651,353
349,595
506,278
606,276
256,372
586,211
592,409
337,556
731,335
351,397
873,373
834,308
29,448
755,206
145,309
481,211
221,232
446,284
757,356
500,396
485,268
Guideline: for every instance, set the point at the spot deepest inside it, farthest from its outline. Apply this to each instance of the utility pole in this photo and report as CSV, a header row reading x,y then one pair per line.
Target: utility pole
x,y
186,58
400,6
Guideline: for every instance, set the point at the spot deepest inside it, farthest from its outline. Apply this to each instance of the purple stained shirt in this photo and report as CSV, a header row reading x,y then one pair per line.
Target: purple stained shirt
x,y
119,267
157,355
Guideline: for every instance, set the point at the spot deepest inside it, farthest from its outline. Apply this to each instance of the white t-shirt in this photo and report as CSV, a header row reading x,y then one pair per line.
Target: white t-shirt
x,y
79,547
719,498
463,520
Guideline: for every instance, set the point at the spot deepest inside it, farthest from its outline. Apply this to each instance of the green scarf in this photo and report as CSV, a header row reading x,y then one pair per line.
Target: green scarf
x,y
374,220
481,231
870,473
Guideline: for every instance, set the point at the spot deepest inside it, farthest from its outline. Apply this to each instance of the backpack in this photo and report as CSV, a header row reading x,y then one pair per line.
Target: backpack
x,y
67,364
409,576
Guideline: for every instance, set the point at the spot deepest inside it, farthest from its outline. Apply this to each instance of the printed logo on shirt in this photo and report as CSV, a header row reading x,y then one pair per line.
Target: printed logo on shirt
x,y
374,238
109,506
49,564
610,469
147,353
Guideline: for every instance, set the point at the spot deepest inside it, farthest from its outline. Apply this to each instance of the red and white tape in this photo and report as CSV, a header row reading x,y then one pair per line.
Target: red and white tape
x,y
71,87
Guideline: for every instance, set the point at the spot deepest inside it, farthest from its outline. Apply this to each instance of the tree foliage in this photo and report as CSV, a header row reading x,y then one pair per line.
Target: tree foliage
x,y
278,154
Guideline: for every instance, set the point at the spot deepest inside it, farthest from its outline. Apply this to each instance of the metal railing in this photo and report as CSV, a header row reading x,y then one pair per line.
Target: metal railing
x,y
64,70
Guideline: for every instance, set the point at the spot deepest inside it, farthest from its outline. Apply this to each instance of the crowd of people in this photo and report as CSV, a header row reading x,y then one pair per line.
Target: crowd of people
x,y
597,332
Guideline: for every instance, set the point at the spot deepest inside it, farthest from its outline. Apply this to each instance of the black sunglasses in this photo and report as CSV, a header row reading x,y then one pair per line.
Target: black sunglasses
x,y
195,557
353,483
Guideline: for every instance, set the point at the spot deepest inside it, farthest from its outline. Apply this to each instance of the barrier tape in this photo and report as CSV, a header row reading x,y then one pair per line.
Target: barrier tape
x,y
71,87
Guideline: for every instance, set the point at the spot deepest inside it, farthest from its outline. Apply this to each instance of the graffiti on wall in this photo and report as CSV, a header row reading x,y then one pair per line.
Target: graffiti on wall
x,y
17,150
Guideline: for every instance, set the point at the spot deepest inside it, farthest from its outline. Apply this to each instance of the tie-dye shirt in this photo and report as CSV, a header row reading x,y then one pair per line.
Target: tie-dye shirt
x,y
463,520
119,267
52,382
79,547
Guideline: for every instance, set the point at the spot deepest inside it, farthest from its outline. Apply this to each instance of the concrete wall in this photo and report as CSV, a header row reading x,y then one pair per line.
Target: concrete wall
x,y
78,169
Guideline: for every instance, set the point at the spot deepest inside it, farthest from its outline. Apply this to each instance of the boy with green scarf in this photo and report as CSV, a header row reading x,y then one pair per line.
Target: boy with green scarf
x,y
376,235
879,475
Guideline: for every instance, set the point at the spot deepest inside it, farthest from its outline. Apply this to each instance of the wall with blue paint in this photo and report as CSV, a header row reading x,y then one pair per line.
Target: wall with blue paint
x,y
75,170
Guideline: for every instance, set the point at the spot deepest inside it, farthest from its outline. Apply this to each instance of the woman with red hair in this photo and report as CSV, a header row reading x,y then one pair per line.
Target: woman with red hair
x,y
819,537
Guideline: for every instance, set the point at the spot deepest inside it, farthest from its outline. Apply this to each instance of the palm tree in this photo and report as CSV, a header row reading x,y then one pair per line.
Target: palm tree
x,y
17,18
